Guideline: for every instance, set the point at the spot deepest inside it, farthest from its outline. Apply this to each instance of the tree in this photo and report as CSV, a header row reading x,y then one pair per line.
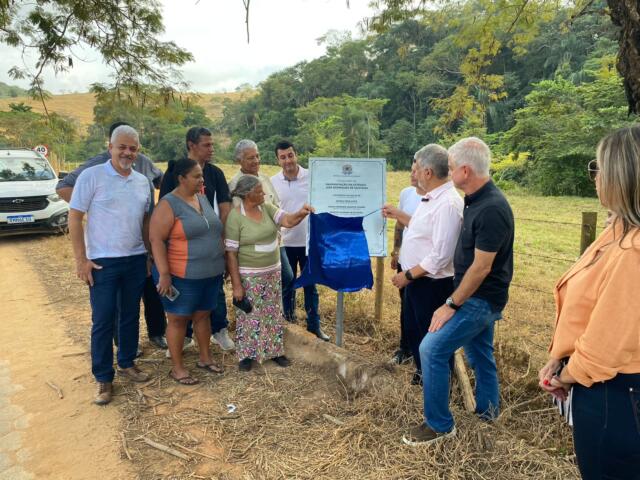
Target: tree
x,y
124,32
626,14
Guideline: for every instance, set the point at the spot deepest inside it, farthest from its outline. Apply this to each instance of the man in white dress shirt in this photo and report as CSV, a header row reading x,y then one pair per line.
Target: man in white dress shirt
x,y
428,246
292,187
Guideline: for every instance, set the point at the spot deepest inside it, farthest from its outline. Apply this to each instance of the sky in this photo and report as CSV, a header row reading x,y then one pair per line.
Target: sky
x,y
283,33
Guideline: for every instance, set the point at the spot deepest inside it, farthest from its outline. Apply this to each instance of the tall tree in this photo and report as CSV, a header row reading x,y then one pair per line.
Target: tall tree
x,y
124,32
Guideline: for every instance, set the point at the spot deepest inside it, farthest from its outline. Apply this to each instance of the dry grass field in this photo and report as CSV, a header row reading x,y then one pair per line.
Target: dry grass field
x,y
79,106
302,423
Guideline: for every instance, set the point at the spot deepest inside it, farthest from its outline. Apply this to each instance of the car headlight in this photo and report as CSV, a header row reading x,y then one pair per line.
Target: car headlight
x,y
54,197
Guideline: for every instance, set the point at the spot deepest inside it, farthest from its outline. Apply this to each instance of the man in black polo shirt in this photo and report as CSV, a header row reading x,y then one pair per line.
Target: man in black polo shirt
x,y
483,266
200,148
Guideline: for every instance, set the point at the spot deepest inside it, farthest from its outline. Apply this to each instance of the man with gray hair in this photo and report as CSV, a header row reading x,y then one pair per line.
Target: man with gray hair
x,y
247,155
427,246
483,265
111,255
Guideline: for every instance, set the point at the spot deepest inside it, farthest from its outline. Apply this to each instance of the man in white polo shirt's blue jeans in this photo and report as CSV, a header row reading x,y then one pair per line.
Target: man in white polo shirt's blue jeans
x,y
292,187
111,255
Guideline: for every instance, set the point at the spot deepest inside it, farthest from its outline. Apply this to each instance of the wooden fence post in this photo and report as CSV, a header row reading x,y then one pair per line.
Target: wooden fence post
x,y
588,233
379,287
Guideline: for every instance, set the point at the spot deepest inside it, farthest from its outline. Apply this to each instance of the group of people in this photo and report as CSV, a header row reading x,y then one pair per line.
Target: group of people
x,y
453,258
175,254
454,262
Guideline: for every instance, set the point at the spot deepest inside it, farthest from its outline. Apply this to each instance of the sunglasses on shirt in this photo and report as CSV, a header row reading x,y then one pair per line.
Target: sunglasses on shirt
x,y
593,169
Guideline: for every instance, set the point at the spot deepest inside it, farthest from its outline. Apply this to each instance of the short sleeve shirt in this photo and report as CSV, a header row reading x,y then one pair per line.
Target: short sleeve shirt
x,y
255,242
293,195
488,226
115,206
215,185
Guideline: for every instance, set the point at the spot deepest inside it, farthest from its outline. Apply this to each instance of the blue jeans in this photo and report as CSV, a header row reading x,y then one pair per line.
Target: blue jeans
x,y
122,278
472,328
218,315
606,428
286,273
297,257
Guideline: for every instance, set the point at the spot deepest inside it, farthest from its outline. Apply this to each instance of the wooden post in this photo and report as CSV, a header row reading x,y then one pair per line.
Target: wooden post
x,y
588,233
379,288
463,380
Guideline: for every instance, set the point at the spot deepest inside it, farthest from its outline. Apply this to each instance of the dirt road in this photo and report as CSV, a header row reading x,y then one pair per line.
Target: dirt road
x,y
42,435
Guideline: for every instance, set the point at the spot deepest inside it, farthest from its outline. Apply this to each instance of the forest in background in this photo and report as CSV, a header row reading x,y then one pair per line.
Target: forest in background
x,y
540,96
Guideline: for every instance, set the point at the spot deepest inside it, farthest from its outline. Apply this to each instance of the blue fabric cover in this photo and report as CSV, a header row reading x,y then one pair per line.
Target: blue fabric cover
x,y
338,254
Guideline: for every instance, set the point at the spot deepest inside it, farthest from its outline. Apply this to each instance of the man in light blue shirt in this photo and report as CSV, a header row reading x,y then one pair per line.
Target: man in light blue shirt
x,y
110,254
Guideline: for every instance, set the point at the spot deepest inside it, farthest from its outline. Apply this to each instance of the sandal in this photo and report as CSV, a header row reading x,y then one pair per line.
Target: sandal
x,y
188,380
210,367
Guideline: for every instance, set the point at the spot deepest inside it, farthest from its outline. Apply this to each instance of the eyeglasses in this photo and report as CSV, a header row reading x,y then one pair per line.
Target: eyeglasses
x,y
593,169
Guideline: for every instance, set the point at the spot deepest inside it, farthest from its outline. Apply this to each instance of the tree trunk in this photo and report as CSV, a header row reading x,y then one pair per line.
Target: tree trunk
x,y
626,15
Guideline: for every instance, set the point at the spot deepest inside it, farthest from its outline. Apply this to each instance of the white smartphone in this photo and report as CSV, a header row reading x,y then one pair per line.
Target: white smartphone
x,y
173,293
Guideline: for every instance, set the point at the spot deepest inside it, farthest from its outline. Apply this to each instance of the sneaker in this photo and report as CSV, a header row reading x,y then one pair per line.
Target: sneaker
x,y
423,435
104,393
321,335
134,374
188,342
282,361
400,357
159,342
244,365
222,339
416,379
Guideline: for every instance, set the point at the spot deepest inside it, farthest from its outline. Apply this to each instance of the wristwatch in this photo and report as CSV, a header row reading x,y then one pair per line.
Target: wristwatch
x,y
408,276
449,303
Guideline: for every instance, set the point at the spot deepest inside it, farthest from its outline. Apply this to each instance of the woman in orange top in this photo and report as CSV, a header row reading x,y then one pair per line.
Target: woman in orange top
x,y
595,352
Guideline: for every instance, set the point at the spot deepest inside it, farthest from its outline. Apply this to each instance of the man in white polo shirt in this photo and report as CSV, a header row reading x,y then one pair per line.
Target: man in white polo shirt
x,y
292,187
111,255
427,246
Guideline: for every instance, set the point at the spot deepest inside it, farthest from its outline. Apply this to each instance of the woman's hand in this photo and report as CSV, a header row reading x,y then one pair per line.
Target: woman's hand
x,y
164,284
306,210
549,382
238,292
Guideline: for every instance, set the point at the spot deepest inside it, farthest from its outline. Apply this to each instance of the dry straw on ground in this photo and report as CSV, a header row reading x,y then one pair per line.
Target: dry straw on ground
x,y
301,422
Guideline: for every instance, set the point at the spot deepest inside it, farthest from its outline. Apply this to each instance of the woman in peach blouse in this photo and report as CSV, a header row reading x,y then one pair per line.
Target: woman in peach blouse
x,y
595,352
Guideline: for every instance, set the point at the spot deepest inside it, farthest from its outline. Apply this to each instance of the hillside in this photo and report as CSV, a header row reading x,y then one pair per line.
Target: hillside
x,y
79,106
11,91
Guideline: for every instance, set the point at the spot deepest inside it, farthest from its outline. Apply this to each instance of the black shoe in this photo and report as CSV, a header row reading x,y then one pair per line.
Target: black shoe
x,y
321,335
417,378
282,361
291,319
244,365
400,357
159,342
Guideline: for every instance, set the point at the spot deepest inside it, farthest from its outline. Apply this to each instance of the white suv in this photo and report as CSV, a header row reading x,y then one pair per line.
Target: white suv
x,y
28,199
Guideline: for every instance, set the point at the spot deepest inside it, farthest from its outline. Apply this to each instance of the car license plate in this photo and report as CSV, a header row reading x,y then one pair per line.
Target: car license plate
x,y
20,219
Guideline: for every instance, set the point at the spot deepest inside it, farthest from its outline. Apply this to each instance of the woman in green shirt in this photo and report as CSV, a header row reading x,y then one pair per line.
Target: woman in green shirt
x,y
253,262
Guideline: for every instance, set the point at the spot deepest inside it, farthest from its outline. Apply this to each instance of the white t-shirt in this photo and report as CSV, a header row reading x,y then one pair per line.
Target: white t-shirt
x,y
409,201
293,195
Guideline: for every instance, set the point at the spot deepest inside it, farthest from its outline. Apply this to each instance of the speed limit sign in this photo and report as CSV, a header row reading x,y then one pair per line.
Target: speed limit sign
x,y
42,150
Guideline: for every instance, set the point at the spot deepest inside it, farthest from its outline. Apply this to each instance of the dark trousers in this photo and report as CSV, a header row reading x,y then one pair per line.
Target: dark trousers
x,y
154,315
422,297
606,428
121,278
297,258
286,275
404,343
218,317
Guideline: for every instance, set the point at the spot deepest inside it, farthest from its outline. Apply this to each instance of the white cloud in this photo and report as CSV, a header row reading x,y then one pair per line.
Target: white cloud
x,y
283,32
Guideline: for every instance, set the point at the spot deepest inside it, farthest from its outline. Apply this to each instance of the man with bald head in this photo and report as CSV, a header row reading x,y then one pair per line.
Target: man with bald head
x,y
111,255
483,268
